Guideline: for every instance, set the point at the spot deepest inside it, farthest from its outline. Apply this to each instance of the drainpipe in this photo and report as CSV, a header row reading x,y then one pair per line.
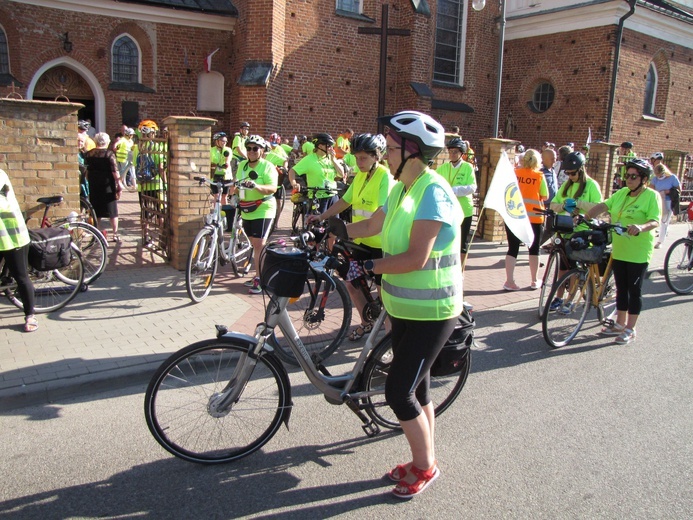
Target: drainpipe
x,y
617,56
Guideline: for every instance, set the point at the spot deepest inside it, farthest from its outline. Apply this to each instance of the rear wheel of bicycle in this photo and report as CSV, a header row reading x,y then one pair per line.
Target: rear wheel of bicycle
x,y
87,212
444,389
678,266
553,264
562,325
93,246
241,252
321,317
201,267
607,302
54,289
178,402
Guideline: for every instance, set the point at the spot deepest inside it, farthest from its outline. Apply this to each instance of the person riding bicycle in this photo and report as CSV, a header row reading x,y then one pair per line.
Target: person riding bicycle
x,y
637,208
321,168
422,282
460,174
366,194
258,205
220,156
575,196
14,248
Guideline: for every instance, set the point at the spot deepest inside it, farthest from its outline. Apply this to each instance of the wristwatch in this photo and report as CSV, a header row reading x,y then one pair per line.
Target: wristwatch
x,y
369,265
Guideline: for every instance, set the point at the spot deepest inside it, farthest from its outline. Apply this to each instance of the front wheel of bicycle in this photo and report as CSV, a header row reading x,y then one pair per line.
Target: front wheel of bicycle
x,y
444,389
54,289
93,247
321,317
179,402
562,325
553,265
678,266
201,267
298,217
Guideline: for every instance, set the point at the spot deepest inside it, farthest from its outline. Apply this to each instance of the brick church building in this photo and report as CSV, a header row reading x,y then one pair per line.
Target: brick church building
x,y
301,66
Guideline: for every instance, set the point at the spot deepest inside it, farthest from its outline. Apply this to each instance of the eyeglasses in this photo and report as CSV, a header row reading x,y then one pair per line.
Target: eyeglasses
x,y
631,176
252,148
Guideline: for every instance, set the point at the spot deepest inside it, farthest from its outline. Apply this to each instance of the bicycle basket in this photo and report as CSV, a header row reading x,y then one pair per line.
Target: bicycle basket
x,y
298,197
563,223
284,270
587,246
453,356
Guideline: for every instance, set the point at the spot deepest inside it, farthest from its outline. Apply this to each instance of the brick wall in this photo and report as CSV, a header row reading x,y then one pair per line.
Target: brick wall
x,y
38,150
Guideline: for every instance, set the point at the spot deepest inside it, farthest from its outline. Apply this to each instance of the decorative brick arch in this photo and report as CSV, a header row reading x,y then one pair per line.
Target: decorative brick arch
x,y
661,65
92,81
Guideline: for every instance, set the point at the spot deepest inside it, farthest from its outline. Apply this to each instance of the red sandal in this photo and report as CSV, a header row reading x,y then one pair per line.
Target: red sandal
x,y
423,480
398,472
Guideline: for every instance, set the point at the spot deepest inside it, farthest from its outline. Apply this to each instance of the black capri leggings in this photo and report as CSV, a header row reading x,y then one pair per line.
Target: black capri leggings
x,y
629,277
514,242
17,261
415,346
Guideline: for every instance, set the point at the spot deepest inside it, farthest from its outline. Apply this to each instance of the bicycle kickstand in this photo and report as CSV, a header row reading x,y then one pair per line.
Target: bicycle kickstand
x,y
369,427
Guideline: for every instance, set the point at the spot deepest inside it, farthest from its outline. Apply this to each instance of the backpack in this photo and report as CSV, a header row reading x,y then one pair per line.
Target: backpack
x,y
146,169
49,248
675,196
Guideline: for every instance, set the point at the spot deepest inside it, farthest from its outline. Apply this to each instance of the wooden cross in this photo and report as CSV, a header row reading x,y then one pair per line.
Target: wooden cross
x,y
384,31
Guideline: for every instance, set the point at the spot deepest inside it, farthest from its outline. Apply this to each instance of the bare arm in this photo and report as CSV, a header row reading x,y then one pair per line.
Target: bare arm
x,y
369,227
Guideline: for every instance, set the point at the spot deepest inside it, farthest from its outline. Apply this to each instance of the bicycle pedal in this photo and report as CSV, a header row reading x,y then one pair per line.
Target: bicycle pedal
x,y
371,429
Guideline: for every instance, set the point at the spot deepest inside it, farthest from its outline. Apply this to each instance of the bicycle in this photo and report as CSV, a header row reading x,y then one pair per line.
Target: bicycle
x,y
557,255
209,249
52,289
678,264
88,239
589,285
218,400
321,315
306,202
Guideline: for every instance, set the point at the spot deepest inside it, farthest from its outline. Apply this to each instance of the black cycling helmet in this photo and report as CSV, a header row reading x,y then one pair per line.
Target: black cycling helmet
x,y
83,125
245,124
323,138
368,143
457,142
627,145
218,136
573,161
644,168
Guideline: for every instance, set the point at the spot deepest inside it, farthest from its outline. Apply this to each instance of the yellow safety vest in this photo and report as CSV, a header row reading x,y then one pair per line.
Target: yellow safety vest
x,y
365,199
433,293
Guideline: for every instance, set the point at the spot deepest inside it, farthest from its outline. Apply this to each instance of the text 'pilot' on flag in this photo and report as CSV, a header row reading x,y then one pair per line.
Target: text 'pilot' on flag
x,y
505,197
208,61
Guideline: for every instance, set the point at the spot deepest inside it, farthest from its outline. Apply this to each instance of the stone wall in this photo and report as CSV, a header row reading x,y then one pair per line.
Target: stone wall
x,y
38,150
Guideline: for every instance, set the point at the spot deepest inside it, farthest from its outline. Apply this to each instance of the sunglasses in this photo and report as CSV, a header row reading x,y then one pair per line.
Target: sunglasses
x,y
571,174
252,148
631,176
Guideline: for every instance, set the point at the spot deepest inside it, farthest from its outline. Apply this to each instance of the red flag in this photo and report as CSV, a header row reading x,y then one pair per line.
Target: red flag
x,y
208,61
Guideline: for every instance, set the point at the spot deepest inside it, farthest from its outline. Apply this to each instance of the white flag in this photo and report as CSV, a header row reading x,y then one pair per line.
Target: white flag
x,y
505,197
589,135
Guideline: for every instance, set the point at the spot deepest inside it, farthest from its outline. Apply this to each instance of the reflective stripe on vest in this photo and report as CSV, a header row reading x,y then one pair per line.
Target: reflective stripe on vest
x,y
435,291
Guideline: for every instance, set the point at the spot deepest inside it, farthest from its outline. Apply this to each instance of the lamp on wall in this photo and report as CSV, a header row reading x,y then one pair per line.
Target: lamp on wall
x,y
478,5
67,44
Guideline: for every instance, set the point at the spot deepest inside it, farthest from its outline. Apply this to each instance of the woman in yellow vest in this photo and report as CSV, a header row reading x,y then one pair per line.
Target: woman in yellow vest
x,y
422,283
367,192
14,248
534,192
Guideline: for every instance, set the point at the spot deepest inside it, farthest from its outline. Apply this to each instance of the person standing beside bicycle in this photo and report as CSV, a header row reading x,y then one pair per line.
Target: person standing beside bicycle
x,y
258,205
637,208
238,146
460,175
664,182
220,157
422,283
575,196
365,195
14,248
321,168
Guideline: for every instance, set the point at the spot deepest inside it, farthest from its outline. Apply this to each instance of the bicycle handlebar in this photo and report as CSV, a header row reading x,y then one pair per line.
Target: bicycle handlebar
x,y
245,183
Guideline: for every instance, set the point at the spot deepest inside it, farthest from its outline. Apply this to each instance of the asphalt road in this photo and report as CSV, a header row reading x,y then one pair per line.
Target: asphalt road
x,y
593,430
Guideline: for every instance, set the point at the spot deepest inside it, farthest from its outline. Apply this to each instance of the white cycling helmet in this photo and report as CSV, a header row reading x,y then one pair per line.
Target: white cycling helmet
x,y
420,128
258,140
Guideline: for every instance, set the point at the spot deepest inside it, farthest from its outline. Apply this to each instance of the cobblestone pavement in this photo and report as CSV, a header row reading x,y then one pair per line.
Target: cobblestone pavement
x,y
138,312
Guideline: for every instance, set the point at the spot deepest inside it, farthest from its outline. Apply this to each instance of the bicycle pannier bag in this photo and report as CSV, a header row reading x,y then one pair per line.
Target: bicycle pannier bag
x,y
454,357
587,246
49,248
284,270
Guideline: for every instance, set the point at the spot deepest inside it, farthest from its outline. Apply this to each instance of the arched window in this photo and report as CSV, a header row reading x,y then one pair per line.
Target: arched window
x,y
126,60
4,53
651,81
